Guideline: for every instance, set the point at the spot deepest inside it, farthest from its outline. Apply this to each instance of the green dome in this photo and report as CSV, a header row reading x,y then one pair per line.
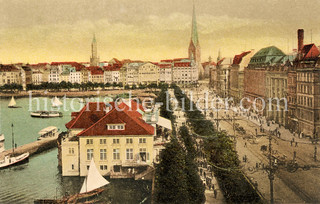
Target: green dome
x,y
267,56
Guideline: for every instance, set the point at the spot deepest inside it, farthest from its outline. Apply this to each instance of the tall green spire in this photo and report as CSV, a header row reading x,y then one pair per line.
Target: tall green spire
x,y
94,38
194,30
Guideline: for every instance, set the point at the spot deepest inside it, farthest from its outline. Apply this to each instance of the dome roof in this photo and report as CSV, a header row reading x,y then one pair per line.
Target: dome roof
x,y
267,56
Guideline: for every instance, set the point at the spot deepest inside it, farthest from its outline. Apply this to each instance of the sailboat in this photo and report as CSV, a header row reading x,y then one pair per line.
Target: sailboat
x,y
91,185
1,143
56,102
13,104
14,160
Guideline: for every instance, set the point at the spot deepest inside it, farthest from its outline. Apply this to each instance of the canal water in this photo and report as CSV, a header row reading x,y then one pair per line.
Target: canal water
x,y
40,178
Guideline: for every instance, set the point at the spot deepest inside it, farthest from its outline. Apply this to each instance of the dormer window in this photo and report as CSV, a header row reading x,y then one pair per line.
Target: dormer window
x,y
115,126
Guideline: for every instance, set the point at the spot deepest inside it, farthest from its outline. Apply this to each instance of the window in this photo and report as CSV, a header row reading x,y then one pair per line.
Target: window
x,y
116,141
116,127
72,166
103,167
89,141
103,154
144,156
71,150
116,154
129,154
142,140
129,141
88,167
103,141
89,154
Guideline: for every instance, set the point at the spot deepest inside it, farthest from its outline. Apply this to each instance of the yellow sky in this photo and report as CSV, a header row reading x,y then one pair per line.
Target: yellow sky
x,y
34,31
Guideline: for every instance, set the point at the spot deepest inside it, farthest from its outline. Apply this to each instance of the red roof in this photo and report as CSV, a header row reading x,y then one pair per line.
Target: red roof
x,y
165,65
89,114
133,125
8,68
94,120
112,67
167,60
238,58
95,70
76,65
310,51
182,64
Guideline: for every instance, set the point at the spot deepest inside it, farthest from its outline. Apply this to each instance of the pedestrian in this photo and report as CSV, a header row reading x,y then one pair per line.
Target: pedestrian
x,y
245,144
215,192
296,144
212,186
291,143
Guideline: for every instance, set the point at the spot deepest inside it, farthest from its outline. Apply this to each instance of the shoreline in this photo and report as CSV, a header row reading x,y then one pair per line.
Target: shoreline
x,y
80,94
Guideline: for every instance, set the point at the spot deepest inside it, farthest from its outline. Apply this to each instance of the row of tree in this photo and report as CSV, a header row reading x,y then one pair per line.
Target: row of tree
x,y
176,177
81,87
11,87
220,153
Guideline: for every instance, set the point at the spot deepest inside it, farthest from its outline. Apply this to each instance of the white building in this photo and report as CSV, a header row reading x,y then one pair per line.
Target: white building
x,y
165,73
111,74
37,77
184,72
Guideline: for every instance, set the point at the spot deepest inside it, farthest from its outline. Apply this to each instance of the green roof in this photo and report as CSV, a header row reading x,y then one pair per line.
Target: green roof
x,y
267,56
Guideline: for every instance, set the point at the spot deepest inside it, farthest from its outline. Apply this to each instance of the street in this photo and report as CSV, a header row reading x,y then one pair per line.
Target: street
x,y
297,186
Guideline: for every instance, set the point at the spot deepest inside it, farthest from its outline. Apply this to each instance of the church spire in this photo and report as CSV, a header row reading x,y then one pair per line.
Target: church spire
x,y
194,30
94,60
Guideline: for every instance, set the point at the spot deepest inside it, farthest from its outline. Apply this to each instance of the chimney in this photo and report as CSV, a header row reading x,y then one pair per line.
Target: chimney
x,y
300,39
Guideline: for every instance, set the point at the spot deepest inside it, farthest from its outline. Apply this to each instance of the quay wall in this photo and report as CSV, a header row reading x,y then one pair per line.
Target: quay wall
x,y
33,148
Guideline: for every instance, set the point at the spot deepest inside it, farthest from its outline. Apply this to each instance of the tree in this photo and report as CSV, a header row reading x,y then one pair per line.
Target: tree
x,y
170,178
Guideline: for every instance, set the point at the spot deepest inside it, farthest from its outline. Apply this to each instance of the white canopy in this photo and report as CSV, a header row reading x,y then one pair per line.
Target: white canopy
x,y
164,123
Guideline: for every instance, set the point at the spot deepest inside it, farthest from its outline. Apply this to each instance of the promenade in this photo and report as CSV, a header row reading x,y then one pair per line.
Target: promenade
x,y
35,147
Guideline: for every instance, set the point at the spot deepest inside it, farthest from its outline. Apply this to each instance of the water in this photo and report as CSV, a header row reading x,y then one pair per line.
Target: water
x,y
40,178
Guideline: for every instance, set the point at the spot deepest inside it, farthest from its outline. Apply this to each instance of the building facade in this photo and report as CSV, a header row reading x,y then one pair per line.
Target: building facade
x,y
148,73
120,142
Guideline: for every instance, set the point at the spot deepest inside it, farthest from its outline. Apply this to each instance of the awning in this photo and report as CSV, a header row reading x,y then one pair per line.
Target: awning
x,y
164,123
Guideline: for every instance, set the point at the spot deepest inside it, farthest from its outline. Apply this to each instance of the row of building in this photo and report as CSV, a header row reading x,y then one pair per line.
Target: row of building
x,y
126,72
270,74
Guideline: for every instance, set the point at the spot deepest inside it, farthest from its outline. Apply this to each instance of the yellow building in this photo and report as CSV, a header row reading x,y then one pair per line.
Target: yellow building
x,y
121,142
9,74
148,73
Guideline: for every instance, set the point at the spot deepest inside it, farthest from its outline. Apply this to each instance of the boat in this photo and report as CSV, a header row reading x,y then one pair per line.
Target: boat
x,y
2,143
12,160
91,186
13,104
48,132
90,189
46,114
56,102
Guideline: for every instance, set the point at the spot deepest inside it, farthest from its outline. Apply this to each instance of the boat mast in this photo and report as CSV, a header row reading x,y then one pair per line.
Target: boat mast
x,y
12,138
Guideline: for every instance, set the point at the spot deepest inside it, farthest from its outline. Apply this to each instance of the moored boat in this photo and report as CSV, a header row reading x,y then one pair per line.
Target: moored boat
x,y
2,143
47,132
90,189
12,160
46,114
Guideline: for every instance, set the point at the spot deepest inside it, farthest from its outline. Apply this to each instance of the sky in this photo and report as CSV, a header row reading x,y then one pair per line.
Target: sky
x,y
33,31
